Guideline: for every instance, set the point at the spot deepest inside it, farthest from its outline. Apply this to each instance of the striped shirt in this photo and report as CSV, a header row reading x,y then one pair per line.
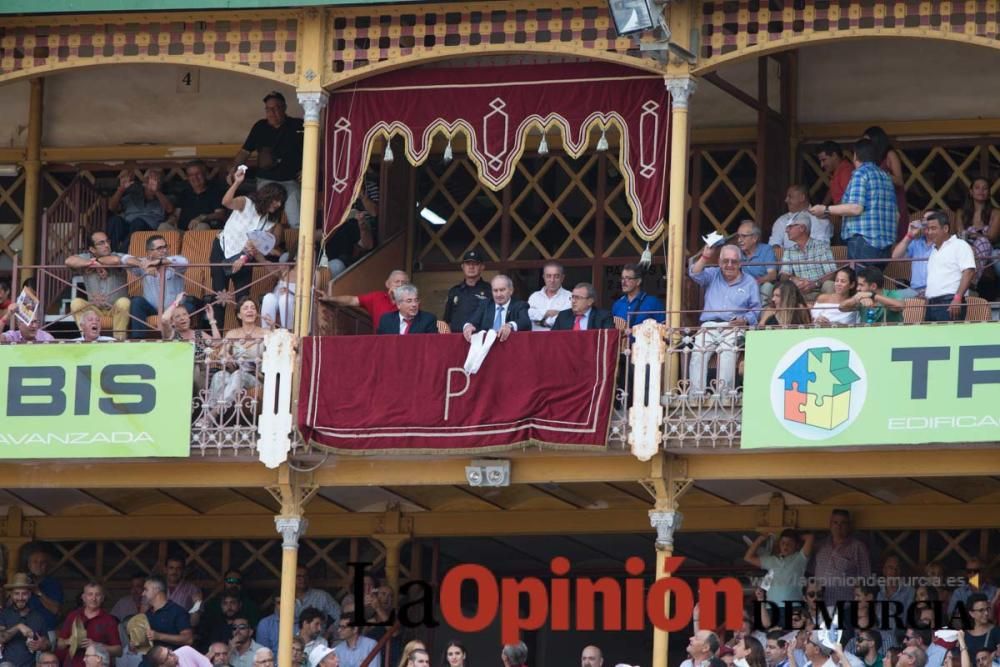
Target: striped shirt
x,y
872,188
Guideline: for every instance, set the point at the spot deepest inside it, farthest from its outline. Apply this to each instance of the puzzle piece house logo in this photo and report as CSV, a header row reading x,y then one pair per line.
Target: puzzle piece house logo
x,y
818,388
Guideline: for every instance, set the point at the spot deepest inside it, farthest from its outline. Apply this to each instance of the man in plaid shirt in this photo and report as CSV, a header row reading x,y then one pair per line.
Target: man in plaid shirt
x,y
809,260
868,207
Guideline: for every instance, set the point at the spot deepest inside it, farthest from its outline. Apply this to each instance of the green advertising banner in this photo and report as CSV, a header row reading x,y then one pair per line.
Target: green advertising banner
x,y
98,400
872,386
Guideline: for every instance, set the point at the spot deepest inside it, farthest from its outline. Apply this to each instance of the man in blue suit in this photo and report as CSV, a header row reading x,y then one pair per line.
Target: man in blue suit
x,y
581,315
409,319
503,313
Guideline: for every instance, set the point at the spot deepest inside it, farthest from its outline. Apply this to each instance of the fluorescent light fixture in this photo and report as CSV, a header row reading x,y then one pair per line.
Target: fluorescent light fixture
x,y
432,217
9,169
631,16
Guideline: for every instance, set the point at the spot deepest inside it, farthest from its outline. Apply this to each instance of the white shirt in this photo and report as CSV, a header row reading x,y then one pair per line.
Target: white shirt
x,y
821,230
540,302
233,237
99,339
404,328
945,266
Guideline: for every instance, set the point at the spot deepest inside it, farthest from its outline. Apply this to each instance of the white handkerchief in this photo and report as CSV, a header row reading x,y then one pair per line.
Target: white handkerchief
x,y
480,346
714,239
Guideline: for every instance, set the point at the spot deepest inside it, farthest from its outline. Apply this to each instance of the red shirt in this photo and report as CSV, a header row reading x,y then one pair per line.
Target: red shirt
x,y
841,177
102,629
377,304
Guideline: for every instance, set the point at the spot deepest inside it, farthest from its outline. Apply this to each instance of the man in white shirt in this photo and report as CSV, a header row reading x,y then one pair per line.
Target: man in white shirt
x,y
950,269
90,327
797,199
546,303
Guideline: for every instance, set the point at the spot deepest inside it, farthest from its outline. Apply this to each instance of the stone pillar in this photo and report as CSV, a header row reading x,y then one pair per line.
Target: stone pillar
x,y
291,529
666,522
313,103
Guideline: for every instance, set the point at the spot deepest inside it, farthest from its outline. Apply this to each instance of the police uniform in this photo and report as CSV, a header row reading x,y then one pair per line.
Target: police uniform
x,y
463,300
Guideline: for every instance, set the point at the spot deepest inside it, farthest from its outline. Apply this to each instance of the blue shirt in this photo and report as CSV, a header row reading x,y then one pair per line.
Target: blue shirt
x,y
267,632
726,301
16,650
764,256
173,282
872,188
53,590
643,307
919,249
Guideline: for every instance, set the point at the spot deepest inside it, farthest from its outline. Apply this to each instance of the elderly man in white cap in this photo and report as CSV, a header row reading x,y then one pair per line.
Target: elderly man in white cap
x,y
323,656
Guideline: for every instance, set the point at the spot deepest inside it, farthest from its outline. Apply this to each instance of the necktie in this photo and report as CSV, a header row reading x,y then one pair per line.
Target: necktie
x,y
498,320
576,322
405,328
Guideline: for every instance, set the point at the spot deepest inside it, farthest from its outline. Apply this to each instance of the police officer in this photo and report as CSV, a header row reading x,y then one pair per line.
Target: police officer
x,y
464,297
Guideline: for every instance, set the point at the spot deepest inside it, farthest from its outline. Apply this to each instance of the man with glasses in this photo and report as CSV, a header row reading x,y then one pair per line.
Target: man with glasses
x,y
104,279
545,304
732,303
974,583
868,647
242,648
233,582
581,315
923,639
634,305
148,268
982,634
758,258
354,648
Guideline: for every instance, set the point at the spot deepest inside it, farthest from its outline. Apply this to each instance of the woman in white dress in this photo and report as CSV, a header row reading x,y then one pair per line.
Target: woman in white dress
x,y
278,307
827,310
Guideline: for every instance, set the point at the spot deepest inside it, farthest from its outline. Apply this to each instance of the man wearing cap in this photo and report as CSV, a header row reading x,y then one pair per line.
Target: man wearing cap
x,y
232,581
277,140
503,314
324,656
24,630
465,297
808,261
99,627
169,624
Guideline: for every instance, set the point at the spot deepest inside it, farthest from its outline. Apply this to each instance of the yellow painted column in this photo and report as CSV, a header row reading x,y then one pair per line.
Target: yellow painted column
x,y
666,522
392,544
32,177
291,528
313,103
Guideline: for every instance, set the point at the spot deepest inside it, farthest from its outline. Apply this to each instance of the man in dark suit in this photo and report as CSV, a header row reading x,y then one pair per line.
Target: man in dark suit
x,y
581,314
409,319
503,313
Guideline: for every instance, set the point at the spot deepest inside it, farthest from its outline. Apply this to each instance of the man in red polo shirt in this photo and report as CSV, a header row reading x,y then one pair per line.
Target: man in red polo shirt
x,y
837,169
101,627
376,303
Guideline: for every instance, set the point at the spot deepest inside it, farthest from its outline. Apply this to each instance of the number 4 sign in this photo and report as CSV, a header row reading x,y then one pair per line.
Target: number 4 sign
x,y
188,79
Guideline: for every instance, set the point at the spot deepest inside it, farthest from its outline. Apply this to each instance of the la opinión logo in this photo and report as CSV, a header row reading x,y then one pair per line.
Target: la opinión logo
x,y
564,602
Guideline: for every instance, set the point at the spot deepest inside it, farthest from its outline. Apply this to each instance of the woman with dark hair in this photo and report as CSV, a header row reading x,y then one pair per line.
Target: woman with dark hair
x,y
259,211
455,655
979,224
787,307
892,165
827,309
750,651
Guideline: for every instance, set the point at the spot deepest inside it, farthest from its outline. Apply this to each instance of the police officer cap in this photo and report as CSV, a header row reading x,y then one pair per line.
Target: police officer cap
x,y
472,256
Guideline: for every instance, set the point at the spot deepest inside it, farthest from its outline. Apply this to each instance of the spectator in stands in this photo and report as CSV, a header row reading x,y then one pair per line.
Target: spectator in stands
x,y
169,624
409,319
914,247
298,652
775,648
277,308
233,581
923,639
220,627
546,303
104,279
839,556
635,306
872,302
277,140
138,208
894,590
829,308
732,303
24,630
464,298
263,657
42,659
809,261
763,265
323,657
978,223
701,648
179,589
514,655
128,605
148,268
504,314
241,356
5,300
786,567
787,307
175,324
349,242
974,583
868,207
256,212
311,625
305,597
581,315
218,654
182,656
100,626
455,655
268,627
864,598
419,658
797,201
354,648
837,168
950,270
200,203
243,648
31,332
888,160
376,304
912,657
90,329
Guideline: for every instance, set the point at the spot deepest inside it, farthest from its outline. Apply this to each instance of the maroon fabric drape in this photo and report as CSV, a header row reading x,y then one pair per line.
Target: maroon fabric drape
x,y
375,394
495,107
